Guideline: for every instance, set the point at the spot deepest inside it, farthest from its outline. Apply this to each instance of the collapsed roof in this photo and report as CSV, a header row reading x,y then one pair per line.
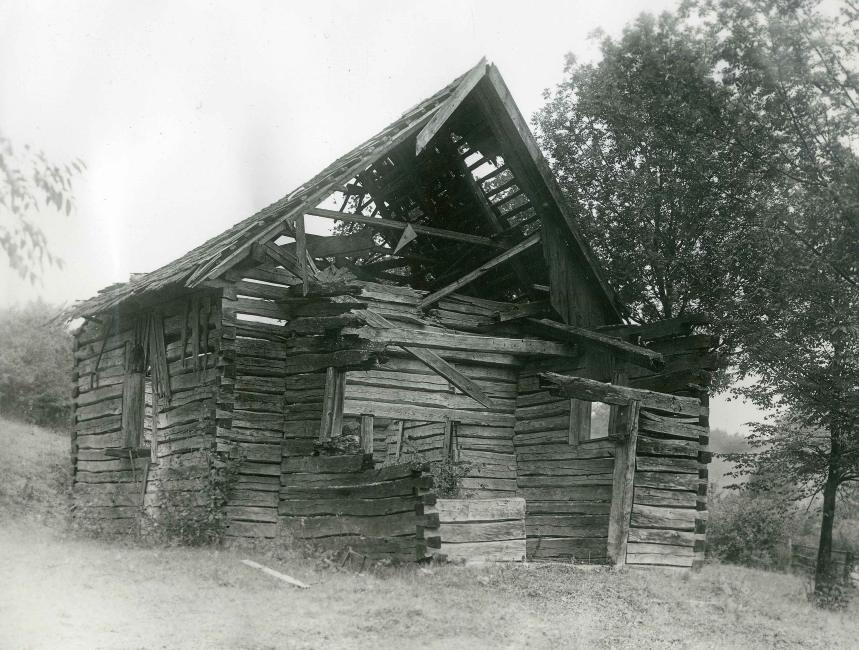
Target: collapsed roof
x,y
457,183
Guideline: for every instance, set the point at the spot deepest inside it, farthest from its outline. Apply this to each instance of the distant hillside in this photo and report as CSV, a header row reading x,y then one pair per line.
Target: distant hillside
x,y
722,442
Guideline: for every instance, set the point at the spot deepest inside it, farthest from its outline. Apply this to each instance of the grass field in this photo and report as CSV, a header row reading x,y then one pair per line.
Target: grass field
x,y
64,592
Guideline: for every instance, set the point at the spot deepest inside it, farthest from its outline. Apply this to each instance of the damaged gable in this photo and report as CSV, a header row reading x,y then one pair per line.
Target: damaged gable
x,y
453,196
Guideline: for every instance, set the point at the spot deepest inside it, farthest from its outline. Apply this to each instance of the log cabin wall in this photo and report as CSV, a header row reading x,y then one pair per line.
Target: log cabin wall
x,y
567,484
402,388
669,517
115,479
341,502
252,407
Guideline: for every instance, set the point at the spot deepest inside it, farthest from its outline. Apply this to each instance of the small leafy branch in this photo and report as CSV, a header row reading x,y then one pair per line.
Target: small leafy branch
x,y
196,517
447,473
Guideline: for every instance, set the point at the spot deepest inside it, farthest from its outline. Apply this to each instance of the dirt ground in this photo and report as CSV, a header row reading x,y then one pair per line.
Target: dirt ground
x,y
69,593
62,592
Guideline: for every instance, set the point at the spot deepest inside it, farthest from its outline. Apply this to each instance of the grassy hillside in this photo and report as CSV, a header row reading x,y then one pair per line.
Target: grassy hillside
x,y
59,591
34,471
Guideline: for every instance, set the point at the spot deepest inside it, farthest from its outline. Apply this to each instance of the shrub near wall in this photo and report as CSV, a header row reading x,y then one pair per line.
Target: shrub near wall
x,y
749,528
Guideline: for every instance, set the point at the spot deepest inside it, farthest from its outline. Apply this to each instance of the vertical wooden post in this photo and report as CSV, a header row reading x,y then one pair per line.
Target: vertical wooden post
x,y
626,430
328,400
301,251
398,443
339,396
580,422
367,423
446,441
454,440
133,409
332,404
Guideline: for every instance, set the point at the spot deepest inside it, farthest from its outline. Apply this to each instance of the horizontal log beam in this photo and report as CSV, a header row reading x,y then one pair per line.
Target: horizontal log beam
x,y
633,353
483,269
390,224
597,391
465,342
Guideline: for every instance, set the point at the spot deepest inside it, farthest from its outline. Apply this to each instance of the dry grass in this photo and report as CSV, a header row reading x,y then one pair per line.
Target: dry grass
x,y
72,593
34,471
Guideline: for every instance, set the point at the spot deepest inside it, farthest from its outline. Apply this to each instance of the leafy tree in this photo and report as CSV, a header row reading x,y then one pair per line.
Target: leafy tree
x,y
790,71
28,183
34,361
713,154
634,142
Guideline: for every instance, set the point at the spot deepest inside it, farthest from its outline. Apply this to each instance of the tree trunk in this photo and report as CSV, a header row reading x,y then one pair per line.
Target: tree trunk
x,y
824,576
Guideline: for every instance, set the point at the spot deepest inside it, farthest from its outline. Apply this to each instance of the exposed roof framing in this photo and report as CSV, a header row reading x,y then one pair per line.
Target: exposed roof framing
x,y
460,167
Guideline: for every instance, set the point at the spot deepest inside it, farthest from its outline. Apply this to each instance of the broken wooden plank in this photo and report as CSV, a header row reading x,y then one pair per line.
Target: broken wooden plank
x,y
275,574
622,492
481,270
621,349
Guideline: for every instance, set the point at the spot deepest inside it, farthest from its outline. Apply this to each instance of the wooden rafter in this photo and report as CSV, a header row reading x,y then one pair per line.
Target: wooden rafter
x,y
481,270
285,259
680,326
469,81
529,165
495,222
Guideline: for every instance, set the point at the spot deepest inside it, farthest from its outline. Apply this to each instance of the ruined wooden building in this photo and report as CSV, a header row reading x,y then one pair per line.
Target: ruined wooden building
x,y
455,316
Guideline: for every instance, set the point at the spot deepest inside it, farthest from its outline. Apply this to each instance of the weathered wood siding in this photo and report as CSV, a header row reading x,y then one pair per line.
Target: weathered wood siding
x,y
341,502
576,301
252,405
110,491
477,530
567,488
404,388
669,514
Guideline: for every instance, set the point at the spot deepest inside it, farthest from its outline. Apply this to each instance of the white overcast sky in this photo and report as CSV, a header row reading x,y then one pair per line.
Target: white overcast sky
x,y
193,115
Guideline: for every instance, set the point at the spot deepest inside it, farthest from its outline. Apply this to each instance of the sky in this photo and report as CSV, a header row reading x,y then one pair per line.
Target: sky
x,y
191,116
